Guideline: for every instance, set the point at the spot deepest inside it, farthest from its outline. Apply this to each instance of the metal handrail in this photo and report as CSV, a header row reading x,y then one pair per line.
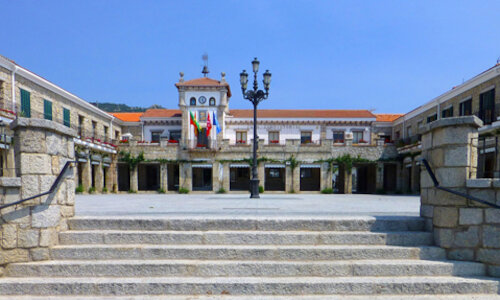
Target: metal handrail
x,y
436,185
50,191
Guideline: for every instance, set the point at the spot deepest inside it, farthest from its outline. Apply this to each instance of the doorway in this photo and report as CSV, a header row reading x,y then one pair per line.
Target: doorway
x,y
239,178
202,178
275,178
310,179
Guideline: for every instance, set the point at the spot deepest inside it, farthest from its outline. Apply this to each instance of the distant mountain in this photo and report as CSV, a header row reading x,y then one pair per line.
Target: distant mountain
x,y
116,107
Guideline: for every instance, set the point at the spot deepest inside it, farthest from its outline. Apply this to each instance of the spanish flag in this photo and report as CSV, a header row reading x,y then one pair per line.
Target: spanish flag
x,y
195,123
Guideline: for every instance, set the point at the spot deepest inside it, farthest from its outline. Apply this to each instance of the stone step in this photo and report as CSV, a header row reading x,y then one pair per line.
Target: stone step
x,y
408,238
335,223
260,297
301,297
219,268
244,252
248,286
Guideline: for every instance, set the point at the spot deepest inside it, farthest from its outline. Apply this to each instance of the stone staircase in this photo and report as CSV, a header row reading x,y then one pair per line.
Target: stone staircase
x,y
247,258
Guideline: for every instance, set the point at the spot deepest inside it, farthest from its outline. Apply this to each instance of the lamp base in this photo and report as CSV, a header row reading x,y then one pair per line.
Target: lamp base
x,y
254,188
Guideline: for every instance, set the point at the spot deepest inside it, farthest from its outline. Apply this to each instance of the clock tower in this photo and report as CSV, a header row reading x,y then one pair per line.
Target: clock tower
x,y
203,99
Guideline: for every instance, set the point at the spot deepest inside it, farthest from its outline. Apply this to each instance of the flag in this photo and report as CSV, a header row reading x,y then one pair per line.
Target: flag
x,y
193,121
216,124
209,125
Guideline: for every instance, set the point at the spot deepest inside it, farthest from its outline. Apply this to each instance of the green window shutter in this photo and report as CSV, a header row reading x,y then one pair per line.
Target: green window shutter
x,y
47,109
25,104
66,117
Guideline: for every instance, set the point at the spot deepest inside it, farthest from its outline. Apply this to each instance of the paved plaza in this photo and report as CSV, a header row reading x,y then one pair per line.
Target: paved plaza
x,y
241,205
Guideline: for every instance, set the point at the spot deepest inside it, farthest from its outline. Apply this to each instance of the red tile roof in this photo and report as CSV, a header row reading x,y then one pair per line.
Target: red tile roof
x,y
204,81
302,113
387,117
128,116
162,113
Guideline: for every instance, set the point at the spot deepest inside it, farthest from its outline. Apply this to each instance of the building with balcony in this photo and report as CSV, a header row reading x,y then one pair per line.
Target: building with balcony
x,y
203,145
477,96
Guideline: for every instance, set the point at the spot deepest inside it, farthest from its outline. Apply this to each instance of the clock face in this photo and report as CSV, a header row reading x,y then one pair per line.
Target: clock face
x,y
202,100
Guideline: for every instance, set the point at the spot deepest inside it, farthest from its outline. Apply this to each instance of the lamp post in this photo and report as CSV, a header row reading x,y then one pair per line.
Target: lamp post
x,y
255,96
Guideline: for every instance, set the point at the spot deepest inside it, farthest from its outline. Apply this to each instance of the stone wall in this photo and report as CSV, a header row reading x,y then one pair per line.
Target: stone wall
x,y
28,230
467,229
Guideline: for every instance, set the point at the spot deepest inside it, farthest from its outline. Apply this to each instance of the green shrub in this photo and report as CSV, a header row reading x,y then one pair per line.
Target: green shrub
x,y
221,191
104,189
261,189
91,190
183,190
381,192
327,191
292,191
161,191
79,189
132,192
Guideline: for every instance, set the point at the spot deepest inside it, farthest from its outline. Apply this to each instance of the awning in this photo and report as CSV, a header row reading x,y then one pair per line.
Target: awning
x,y
274,166
310,166
105,165
80,159
239,166
206,166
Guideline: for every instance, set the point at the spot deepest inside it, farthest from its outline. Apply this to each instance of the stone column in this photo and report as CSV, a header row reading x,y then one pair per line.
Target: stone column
x,y
261,173
347,180
296,179
226,180
9,167
185,176
288,179
99,177
216,179
326,177
134,179
41,149
86,175
164,177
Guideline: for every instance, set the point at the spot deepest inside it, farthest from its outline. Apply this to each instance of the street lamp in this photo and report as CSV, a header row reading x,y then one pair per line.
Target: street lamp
x,y
255,96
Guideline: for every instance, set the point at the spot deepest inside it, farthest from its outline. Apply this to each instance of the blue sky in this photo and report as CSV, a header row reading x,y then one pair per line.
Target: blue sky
x,y
391,56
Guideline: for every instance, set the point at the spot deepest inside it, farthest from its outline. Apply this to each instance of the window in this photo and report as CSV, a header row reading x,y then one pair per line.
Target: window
x,y
447,113
274,173
487,107
155,136
175,136
94,129
66,117
80,125
241,137
1,90
212,101
409,132
192,101
106,132
305,137
386,138
202,116
117,134
25,104
338,136
47,110
466,108
432,118
274,137
305,172
420,124
357,137
397,134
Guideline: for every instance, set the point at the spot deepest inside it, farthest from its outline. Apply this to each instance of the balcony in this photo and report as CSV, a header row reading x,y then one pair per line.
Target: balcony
x,y
202,145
